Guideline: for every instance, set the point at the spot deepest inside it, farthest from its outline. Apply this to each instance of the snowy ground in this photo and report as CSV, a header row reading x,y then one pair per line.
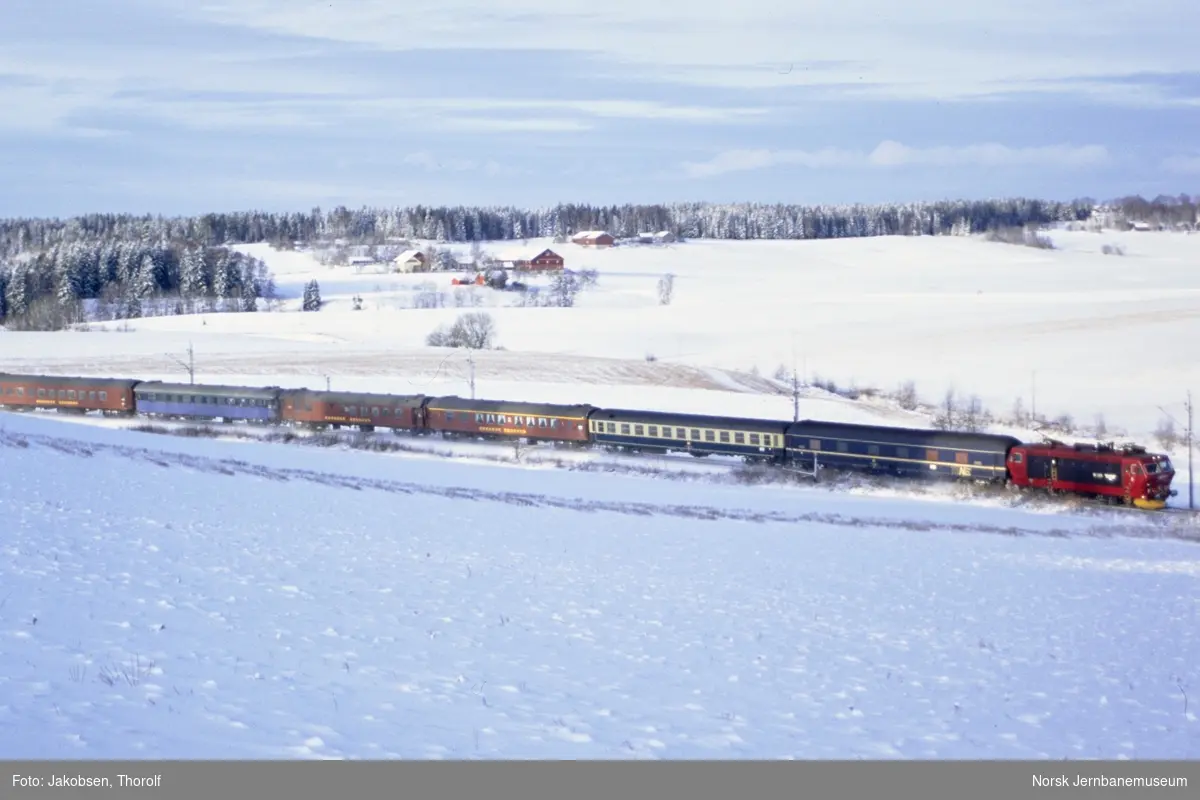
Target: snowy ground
x,y
1069,330
162,597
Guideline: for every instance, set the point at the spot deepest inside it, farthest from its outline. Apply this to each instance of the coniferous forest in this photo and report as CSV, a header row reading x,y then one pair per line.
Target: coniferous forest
x,y
129,266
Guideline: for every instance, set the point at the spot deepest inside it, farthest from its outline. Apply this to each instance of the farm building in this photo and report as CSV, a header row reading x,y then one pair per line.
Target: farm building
x,y
533,260
662,237
410,261
594,239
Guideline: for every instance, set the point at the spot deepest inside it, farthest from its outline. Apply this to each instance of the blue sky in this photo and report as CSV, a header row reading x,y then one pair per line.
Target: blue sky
x,y
179,106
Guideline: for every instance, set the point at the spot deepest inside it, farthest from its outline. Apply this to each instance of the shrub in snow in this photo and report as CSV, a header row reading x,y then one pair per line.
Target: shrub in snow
x,y
475,330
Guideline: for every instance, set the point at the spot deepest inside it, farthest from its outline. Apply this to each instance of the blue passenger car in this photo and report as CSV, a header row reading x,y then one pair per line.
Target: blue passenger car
x,y
913,452
201,401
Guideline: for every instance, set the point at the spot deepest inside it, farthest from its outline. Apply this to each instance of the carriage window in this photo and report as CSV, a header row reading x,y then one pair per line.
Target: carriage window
x,y
1018,458
624,428
708,436
41,392
961,458
814,444
553,423
754,438
931,455
638,430
62,394
103,396
872,449
843,447
20,391
739,438
902,452
724,436
653,430
374,411
680,433
71,394
695,434
612,427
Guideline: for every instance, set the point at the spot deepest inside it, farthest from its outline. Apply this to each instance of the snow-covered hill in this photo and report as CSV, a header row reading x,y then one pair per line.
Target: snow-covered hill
x,y
1066,331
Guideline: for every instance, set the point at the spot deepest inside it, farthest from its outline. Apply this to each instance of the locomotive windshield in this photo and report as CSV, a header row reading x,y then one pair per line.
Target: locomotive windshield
x,y
1155,467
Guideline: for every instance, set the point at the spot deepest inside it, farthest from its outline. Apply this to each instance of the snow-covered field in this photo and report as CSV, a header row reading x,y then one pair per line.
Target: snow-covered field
x,y
163,597
1069,330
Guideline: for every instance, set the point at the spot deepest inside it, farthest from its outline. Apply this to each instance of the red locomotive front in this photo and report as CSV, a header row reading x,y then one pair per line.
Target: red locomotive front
x,y
1127,475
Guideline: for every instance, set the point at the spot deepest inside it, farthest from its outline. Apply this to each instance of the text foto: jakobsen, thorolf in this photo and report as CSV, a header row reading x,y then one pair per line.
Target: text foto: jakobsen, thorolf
x,y
121,781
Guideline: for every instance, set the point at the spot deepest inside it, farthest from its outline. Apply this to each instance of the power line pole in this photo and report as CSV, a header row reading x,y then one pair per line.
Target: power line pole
x,y
795,383
1033,396
189,365
471,363
1191,475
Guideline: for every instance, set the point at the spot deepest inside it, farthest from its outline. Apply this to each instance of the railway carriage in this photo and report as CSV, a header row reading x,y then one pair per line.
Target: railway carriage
x,y
698,434
1118,475
208,402
497,419
67,393
365,410
910,452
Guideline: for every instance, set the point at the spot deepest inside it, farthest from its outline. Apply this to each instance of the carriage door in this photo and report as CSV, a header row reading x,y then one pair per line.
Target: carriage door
x,y
1054,470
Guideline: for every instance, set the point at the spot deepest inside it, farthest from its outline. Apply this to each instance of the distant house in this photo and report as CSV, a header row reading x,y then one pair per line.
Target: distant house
x,y
662,237
411,261
533,260
594,239
360,261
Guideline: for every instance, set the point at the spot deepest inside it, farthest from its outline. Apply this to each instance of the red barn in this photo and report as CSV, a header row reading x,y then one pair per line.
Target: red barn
x,y
594,239
536,260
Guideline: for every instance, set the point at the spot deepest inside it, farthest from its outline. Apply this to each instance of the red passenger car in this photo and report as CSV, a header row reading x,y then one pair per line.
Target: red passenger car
x,y
80,395
507,420
1125,475
352,409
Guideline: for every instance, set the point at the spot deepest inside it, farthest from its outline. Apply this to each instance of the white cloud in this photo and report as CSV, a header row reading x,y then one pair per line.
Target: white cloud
x,y
891,154
895,154
921,48
432,163
1186,165
742,160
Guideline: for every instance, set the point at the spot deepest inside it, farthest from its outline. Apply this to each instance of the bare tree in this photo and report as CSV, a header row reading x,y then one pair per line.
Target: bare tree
x,y
947,414
1018,412
563,289
1165,433
475,330
906,396
1101,427
973,416
666,289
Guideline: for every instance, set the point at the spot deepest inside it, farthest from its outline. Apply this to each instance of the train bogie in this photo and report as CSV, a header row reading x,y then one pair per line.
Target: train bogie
x,y
67,393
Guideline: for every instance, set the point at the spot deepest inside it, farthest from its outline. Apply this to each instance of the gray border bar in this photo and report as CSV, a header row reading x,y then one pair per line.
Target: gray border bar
x,y
601,780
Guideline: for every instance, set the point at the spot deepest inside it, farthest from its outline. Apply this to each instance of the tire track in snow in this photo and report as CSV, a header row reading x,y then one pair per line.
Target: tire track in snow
x,y
236,467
